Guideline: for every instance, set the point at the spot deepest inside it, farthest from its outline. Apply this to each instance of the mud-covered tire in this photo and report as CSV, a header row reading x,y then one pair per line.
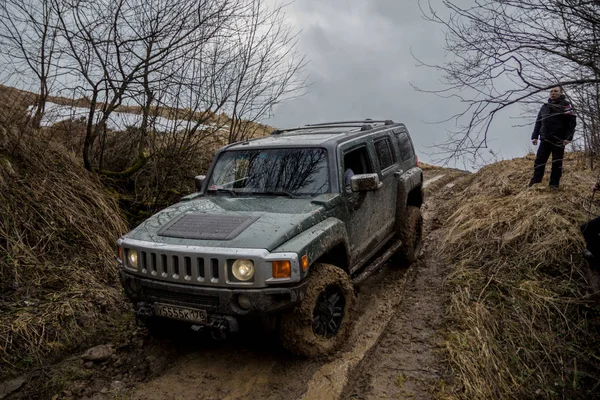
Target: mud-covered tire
x,y
411,234
297,327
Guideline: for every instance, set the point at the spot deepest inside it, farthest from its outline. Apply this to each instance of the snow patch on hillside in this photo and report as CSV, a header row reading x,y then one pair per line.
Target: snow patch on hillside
x,y
118,121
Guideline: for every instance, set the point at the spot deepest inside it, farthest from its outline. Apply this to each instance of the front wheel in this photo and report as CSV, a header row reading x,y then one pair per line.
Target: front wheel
x,y
321,322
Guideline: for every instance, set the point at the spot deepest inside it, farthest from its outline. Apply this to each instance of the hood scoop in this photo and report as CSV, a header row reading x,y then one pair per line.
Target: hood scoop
x,y
207,227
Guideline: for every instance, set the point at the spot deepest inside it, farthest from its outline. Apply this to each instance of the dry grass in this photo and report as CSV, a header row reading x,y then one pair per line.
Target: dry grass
x,y
520,322
57,233
13,105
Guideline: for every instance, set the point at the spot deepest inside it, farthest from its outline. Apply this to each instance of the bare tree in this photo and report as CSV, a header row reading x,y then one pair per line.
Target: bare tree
x,y
115,44
588,112
509,51
268,68
28,45
191,94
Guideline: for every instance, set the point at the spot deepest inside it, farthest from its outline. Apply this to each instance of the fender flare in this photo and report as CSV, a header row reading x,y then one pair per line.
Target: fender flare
x,y
317,240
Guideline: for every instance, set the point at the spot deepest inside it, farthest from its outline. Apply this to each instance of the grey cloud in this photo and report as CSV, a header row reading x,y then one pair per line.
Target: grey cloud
x,y
361,66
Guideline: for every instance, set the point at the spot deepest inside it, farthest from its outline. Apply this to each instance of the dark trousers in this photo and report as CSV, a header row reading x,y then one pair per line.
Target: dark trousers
x,y
591,234
558,152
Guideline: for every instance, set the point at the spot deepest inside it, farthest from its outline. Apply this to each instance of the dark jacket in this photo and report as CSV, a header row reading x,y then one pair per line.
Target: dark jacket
x,y
556,121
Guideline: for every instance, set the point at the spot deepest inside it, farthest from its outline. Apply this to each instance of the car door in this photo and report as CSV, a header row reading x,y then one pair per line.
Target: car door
x,y
385,198
357,158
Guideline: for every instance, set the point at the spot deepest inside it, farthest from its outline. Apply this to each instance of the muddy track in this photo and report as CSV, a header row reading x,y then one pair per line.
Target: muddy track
x,y
390,352
406,361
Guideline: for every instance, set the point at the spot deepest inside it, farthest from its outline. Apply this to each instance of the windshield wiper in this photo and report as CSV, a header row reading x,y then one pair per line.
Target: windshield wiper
x,y
281,193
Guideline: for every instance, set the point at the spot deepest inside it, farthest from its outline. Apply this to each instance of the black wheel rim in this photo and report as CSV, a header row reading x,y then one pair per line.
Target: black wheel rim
x,y
329,312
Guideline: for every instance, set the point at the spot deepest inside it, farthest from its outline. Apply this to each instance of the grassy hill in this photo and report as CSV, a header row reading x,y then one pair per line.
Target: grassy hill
x,y
521,321
58,226
143,181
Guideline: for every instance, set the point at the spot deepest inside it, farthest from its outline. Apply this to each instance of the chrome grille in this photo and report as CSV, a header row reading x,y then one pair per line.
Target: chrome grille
x,y
182,268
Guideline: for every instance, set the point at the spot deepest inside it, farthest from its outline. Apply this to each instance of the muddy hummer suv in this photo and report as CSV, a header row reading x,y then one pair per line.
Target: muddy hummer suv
x,y
280,231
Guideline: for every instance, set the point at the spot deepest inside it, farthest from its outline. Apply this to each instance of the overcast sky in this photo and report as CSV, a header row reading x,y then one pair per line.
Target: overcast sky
x,y
361,67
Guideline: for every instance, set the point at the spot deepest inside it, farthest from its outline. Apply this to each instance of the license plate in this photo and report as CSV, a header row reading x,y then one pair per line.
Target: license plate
x,y
180,313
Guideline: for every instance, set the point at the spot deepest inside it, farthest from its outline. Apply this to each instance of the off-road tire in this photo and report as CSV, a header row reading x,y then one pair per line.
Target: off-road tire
x,y
411,234
296,330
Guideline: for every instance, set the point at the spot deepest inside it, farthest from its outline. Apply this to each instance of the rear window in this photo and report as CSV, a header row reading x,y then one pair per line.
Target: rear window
x,y
383,149
405,146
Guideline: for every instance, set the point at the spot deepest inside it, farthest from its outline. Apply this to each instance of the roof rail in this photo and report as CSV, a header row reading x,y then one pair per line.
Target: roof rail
x,y
364,125
366,121
360,125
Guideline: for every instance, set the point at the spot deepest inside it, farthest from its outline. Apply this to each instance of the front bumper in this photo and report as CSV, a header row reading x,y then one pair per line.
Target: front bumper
x,y
214,300
204,266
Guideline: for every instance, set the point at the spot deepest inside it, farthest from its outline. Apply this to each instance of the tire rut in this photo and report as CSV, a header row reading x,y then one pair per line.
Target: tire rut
x,y
406,361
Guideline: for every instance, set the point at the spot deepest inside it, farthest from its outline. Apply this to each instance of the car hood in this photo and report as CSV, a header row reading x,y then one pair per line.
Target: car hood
x,y
266,222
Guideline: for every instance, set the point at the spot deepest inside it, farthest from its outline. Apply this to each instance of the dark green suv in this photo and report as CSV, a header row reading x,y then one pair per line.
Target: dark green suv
x,y
280,231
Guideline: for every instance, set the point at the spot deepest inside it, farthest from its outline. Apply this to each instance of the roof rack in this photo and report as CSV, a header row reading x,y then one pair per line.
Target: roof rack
x,y
365,121
364,125
312,127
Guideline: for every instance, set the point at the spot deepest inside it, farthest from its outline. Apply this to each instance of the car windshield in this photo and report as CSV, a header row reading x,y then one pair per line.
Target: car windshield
x,y
292,172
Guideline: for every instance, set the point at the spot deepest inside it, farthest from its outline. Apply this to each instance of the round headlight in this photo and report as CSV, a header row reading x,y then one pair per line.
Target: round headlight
x,y
243,270
132,258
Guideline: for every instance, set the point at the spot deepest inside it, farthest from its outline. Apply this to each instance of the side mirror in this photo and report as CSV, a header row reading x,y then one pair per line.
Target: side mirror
x,y
365,182
198,181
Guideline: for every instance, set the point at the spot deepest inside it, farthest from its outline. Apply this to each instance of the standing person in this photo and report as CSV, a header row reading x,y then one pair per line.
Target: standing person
x,y
554,126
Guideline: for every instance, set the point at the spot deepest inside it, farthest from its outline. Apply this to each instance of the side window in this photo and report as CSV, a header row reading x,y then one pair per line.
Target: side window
x,y
356,162
405,146
384,153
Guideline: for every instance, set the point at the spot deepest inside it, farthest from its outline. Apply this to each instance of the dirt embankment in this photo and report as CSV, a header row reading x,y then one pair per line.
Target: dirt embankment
x,y
521,323
57,274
